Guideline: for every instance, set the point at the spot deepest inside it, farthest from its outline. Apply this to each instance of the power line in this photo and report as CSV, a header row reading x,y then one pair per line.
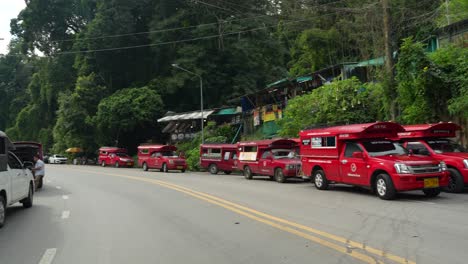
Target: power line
x,y
158,30
176,41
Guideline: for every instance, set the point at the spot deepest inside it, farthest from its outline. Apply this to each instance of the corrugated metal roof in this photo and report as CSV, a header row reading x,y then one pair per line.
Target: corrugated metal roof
x,y
186,116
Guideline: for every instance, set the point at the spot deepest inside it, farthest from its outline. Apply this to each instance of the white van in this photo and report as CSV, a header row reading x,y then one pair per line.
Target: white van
x,y
16,182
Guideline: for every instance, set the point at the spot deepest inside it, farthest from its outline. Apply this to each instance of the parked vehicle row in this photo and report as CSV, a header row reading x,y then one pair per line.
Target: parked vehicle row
x,y
384,157
16,181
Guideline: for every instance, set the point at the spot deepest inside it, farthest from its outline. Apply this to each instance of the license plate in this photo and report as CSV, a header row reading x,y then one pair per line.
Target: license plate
x,y
129,164
180,167
431,183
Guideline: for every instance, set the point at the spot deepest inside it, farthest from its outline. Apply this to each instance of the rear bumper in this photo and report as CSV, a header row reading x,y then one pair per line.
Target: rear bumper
x,y
416,182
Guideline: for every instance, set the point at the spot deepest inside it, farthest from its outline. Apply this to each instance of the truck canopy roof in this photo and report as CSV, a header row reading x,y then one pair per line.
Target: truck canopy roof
x,y
271,143
430,130
153,148
358,131
221,146
113,149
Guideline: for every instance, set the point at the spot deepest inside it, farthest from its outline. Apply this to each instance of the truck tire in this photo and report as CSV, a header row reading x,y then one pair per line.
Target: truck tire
x,y
384,187
116,164
164,168
28,201
2,211
248,173
320,180
456,183
433,192
182,170
145,166
227,172
279,176
103,163
213,169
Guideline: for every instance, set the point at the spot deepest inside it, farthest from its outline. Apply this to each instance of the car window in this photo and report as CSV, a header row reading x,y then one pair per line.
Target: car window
x,y
14,162
417,148
266,154
351,147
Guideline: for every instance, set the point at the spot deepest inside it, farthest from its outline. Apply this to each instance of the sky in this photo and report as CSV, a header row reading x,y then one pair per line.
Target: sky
x,y
8,9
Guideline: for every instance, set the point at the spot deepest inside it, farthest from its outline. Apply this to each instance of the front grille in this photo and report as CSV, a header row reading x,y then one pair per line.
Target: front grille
x,y
426,168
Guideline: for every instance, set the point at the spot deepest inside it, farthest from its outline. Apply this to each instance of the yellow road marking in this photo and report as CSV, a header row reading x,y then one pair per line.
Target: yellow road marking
x,y
238,209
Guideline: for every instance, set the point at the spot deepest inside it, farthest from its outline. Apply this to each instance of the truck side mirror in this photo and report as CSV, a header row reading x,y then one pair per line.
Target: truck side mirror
x,y
358,155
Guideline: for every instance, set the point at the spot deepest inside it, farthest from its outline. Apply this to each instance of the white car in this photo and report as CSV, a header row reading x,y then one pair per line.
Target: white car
x,y
58,159
16,182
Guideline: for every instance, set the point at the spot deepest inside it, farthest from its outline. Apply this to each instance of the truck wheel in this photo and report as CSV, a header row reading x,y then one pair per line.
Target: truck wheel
x,y
248,173
28,201
103,163
320,180
433,192
227,172
213,169
279,176
456,184
2,211
164,168
384,187
182,170
116,164
145,166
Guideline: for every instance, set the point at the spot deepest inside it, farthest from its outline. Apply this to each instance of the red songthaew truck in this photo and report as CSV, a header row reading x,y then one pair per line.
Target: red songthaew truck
x,y
433,140
162,157
218,157
276,158
365,155
114,156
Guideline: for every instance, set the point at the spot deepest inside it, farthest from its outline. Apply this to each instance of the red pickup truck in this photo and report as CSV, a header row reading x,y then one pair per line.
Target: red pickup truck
x,y
162,157
364,155
116,157
276,158
433,140
218,157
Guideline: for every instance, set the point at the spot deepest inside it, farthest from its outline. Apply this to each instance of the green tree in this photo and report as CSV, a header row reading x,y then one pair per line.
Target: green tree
x,y
124,112
341,102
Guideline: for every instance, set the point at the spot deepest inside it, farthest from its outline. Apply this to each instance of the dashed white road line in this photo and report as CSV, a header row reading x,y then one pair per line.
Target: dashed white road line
x,y
65,214
48,256
65,197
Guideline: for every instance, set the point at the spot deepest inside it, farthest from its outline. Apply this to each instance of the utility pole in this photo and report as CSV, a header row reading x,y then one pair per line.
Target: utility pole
x,y
390,84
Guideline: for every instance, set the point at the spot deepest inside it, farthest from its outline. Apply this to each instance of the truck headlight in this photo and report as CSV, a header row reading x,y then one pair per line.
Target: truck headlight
x,y
465,162
402,168
442,166
171,162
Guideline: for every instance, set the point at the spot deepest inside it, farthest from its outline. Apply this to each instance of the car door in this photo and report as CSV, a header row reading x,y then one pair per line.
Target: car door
x,y
156,159
265,163
353,169
19,182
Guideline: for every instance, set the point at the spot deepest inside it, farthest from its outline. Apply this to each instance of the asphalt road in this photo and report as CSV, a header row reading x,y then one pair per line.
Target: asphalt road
x,y
89,214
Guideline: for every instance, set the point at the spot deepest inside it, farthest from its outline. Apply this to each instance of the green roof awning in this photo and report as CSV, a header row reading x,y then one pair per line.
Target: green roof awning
x,y
372,62
227,111
282,81
303,79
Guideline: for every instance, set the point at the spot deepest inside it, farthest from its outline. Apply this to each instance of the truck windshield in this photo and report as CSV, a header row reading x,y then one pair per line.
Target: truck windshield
x,y
283,154
171,154
445,145
123,155
383,148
